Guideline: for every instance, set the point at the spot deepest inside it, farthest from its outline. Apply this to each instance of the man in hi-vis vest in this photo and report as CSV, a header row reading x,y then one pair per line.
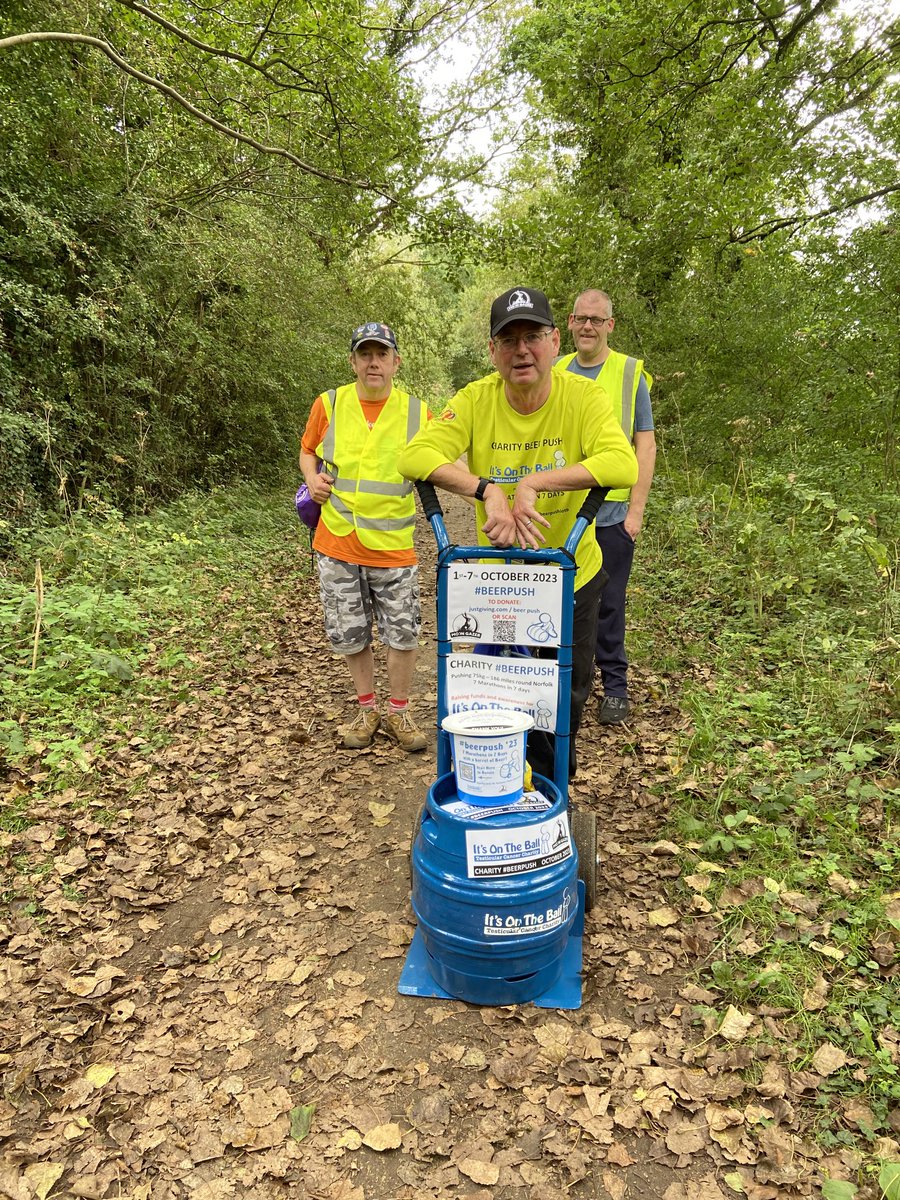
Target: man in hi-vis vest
x,y
364,538
621,515
535,440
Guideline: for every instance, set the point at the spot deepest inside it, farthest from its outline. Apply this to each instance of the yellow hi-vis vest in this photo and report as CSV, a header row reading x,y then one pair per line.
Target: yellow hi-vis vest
x,y
620,376
369,495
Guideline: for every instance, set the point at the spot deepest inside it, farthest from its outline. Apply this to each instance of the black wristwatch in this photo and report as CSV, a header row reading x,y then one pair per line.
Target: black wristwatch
x,y
482,487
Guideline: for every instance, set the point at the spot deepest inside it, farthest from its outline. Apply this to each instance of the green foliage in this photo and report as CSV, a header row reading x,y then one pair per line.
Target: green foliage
x,y
889,1180
301,1121
775,601
838,1189
125,615
687,121
170,303
748,241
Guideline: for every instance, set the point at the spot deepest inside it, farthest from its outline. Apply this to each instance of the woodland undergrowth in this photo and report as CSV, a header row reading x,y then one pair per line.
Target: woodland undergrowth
x,y
775,603
105,621
773,606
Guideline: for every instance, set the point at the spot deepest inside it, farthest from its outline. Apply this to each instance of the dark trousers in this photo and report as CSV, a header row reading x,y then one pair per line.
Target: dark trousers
x,y
584,631
618,555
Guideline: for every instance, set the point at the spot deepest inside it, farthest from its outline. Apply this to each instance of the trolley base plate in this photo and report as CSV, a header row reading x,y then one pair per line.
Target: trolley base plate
x,y
416,979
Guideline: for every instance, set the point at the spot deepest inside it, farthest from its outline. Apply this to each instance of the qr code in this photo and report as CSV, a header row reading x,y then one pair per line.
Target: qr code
x,y
504,631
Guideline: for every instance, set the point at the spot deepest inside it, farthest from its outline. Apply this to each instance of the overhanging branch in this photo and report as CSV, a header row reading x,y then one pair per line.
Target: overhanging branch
x,y
23,39
216,52
766,228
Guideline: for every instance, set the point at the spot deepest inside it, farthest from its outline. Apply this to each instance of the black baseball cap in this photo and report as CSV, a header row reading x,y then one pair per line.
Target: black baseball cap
x,y
520,304
374,331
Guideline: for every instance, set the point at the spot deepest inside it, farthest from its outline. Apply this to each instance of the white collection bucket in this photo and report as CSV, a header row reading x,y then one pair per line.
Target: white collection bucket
x,y
488,751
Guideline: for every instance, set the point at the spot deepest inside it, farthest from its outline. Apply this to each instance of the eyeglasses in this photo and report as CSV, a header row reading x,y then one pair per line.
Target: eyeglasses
x,y
590,320
510,341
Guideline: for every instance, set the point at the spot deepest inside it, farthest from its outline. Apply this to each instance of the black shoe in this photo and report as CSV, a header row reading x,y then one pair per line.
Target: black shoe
x,y
614,710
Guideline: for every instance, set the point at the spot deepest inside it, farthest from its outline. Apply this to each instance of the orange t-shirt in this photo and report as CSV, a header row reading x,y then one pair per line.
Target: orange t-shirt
x,y
349,548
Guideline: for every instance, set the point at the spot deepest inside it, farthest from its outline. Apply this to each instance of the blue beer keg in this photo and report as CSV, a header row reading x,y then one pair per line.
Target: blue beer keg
x,y
495,895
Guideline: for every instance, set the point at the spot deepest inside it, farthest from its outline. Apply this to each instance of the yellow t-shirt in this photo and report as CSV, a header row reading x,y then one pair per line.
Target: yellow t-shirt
x,y
575,424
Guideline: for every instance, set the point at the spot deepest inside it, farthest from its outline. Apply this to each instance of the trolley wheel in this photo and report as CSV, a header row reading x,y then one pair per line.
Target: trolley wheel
x,y
584,833
417,825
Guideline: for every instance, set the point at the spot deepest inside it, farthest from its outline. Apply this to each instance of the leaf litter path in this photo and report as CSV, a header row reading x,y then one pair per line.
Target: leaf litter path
x,y
204,1004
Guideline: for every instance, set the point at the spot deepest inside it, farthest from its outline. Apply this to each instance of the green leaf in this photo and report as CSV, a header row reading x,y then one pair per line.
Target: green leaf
x,y
11,738
889,1180
838,1189
114,666
301,1119
735,1182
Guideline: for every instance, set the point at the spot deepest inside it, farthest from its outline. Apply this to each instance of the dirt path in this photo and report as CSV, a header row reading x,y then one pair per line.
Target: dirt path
x,y
204,1003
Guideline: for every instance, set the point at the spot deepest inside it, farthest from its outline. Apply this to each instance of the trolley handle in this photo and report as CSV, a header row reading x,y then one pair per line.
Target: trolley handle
x,y
591,505
431,506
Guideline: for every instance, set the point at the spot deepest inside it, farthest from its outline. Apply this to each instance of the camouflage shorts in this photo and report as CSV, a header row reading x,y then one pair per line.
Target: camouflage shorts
x,y
354,596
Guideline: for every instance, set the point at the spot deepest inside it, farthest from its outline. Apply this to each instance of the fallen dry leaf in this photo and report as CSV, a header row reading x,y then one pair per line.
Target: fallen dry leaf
x,y
686,1139
42,1176
381,813
614,1185
663,916
735,1024
384,1137
829,951
841,884
829,1058
698,882
261,1106
98,1075
816,997
554,1038
280,969
619,1156
479,1172
705,1189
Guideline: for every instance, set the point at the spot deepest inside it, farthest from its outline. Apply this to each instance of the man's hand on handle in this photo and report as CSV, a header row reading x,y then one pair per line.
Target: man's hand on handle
x,y
527,518
500,526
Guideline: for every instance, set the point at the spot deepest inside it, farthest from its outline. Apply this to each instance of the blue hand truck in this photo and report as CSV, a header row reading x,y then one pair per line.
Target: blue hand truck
x,y
582,824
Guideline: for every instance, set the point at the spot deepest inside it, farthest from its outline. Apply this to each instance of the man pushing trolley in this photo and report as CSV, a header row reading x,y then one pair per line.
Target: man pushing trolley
x,y
495,873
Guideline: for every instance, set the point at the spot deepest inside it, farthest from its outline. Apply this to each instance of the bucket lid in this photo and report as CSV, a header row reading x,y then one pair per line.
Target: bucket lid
x,y
496,722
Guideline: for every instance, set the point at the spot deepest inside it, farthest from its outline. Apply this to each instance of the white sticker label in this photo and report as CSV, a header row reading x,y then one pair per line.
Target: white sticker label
x,y
498,852
514,925
530,802
481,682
510,605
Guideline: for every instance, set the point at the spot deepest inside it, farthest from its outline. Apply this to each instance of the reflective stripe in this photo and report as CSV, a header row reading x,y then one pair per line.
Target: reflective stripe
x,y
374,485
328,439
386,523
627,397
413,420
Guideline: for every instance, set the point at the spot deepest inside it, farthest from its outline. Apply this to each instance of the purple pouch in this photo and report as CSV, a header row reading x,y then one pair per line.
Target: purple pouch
x,y
307,509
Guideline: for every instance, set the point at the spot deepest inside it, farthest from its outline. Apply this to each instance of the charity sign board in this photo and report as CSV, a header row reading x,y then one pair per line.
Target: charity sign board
x,y
511,604
481,682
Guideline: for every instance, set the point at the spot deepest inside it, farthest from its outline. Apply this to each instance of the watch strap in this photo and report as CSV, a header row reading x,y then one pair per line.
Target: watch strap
x,y
481,488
